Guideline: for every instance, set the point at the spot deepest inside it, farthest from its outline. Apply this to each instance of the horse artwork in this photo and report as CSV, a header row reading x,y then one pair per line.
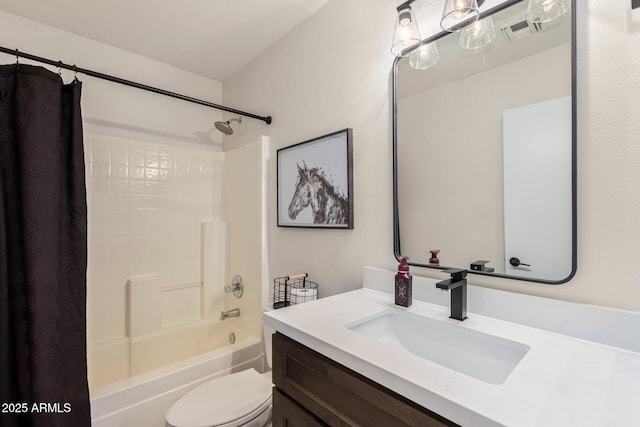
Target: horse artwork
x,y
315,189
315,182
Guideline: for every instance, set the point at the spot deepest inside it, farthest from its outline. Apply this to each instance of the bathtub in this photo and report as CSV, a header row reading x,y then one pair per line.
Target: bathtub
x,y
143,399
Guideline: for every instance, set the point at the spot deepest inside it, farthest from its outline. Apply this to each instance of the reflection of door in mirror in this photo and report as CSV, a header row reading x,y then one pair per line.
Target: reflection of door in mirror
x,y
537,189
461,127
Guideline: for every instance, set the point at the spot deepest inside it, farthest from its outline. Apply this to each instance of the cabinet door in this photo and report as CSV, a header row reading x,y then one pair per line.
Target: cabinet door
x,y
338,396
287,413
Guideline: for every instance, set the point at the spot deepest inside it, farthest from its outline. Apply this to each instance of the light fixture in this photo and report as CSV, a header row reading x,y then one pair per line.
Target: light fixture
x,y
478,34
546,10
457,14
424,57
406,33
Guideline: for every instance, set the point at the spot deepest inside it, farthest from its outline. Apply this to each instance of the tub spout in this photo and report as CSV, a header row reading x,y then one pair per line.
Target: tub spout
x,y
235,312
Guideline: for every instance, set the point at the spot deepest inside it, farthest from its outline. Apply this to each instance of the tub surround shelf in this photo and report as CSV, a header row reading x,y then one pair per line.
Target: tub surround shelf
x,y
560,380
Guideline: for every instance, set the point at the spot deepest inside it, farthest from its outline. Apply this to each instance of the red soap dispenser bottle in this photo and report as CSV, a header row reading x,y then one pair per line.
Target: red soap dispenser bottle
x,y
434,257
403,284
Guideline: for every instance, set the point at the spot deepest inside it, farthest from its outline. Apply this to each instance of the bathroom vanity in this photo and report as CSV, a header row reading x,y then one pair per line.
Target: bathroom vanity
x,y
311,389
356,358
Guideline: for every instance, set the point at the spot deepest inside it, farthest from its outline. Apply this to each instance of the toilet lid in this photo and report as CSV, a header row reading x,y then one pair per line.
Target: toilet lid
x,y
222,401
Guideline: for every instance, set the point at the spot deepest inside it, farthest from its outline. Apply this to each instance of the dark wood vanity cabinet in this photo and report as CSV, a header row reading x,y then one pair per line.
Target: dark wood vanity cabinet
x,y
313,390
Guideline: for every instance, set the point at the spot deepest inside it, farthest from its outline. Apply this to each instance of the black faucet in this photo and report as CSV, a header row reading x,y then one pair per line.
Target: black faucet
x,y
458,287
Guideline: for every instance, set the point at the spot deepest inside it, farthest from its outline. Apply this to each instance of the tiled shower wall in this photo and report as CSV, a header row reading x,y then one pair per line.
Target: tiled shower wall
x,y
146,203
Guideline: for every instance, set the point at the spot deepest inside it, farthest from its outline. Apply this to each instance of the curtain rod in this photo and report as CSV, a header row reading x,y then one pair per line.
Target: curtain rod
x,y
90,73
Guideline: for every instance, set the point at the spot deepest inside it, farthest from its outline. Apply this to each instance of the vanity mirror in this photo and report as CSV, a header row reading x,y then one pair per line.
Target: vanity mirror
x,y
484,144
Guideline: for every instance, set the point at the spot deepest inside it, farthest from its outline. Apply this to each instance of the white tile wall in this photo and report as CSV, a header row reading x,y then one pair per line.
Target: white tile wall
x,y
146,202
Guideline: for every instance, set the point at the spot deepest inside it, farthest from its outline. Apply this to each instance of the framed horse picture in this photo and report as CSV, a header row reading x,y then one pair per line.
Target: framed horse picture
x,y
315,182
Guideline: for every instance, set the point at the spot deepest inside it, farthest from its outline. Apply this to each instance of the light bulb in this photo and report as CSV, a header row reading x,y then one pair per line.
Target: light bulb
x,y
459,13
478,34
406,33
424,57
404,17
546,10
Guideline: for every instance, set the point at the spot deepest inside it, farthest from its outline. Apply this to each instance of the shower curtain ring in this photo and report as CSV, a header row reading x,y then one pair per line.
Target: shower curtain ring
x,y
60,68
17,58
75,73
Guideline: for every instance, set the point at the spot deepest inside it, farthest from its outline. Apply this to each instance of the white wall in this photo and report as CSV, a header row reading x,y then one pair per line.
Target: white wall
x,y
333,72
330,73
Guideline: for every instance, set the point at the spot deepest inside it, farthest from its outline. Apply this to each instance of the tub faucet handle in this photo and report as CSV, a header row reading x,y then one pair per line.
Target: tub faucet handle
x,y
236,286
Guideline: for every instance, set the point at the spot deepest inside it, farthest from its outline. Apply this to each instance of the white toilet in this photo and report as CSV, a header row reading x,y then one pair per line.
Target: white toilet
x,y
239,399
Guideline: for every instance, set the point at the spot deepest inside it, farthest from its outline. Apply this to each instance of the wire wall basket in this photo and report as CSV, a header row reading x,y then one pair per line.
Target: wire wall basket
x,y
291,290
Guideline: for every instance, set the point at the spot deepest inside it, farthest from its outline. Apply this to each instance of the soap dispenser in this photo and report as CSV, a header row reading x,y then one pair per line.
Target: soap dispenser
x,y
403,284
434,257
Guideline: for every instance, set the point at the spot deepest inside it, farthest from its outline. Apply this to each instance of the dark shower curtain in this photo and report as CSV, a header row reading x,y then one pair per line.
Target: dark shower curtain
x,y
43,251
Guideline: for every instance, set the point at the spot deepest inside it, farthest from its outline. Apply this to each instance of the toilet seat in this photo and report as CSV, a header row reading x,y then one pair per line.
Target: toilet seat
x,y
228,401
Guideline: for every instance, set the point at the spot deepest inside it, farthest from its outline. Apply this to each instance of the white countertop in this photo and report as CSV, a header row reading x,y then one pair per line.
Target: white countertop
x,y
561,381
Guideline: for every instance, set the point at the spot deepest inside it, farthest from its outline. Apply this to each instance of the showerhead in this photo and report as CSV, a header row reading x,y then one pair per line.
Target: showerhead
x,y
225,127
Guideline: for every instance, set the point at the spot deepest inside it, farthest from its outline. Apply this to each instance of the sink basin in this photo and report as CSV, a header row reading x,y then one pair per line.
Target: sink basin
x,y
482,356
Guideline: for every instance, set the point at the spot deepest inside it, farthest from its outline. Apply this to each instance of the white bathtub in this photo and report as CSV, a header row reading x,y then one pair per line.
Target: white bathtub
x,y
142,400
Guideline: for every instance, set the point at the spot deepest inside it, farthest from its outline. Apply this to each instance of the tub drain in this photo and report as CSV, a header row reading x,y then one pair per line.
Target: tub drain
x,y
232,338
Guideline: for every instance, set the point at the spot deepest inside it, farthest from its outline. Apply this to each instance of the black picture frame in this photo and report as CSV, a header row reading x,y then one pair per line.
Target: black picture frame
x,y
315,182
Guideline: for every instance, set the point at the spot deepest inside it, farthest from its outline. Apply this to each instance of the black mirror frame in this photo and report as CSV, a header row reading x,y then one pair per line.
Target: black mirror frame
x,y
574,139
